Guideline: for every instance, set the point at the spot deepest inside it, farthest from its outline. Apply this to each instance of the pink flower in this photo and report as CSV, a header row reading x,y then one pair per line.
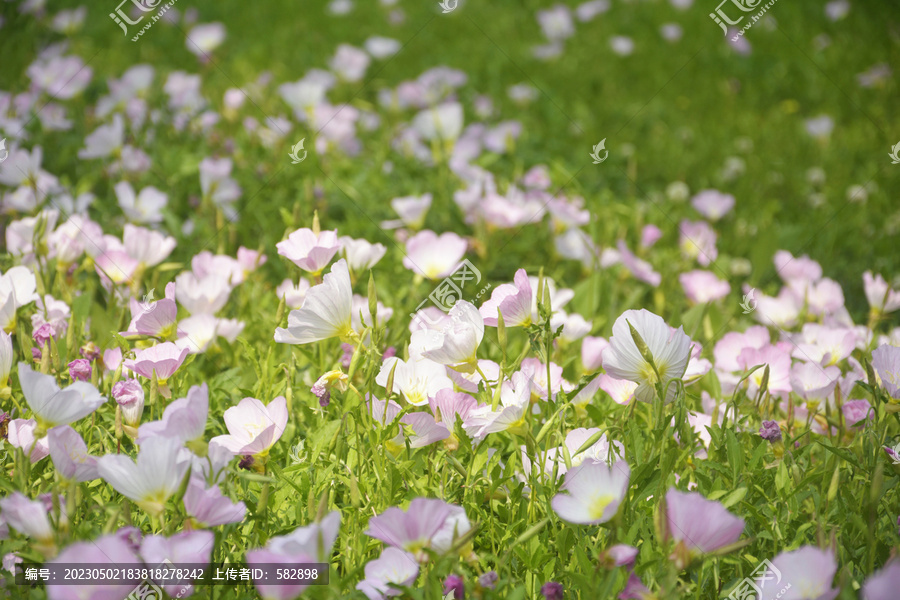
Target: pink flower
x,y
146,246
413,529
620,555
556,22
595,492
794,268
161,361
350,63
312,543
883,584
158,318
184,419
592,352
814,382
642,270
779,363
21,435
209,507
713,204
129,394
293,294
434,256
703,286
412,209
186,547
114,550
886,362
698,526
61,77
29,517
879,294
512,300
635,589
69,454
457,344
80,370
856,411
310,251
388,573
698,241
650,234
253,427
810,572
620,390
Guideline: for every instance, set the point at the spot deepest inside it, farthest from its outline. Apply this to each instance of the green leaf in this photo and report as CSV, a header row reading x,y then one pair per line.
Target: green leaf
x,y
734,497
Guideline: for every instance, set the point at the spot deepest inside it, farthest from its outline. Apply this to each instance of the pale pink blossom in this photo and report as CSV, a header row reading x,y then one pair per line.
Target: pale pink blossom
x,y
595,492
698,526
310,251
253,427
713,204
434,256
703,286
159,361
513,301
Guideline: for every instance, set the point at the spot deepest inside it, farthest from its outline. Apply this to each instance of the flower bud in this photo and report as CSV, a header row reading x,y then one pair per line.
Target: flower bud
x,y
129,394
80,370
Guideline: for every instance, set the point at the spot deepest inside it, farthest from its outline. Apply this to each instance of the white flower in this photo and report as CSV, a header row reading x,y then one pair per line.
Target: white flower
x,y
105,140
53,406
150,481
670,350
361,254
443,122
325,312
418,379
144,207
146,246
205,38
456,345
595,493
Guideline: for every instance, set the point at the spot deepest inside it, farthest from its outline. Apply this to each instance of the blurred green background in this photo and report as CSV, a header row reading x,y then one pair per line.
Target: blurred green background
x,y
670,111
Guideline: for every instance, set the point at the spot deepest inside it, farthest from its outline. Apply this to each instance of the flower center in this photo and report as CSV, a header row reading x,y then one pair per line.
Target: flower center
x,y
598,505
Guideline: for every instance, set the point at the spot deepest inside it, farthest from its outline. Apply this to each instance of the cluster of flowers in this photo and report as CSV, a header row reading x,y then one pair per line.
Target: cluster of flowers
x,y
436,390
